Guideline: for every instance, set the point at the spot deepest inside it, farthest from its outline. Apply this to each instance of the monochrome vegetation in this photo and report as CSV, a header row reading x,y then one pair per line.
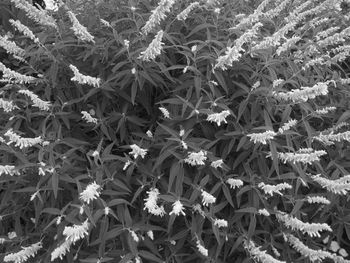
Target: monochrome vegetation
x,y
175,131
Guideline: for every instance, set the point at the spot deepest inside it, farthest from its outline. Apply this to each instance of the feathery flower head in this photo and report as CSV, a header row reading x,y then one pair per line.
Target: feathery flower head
x,y
317,200
277,82
149,134
234,183
137,151
11,47
24,254
61,250
271,189
91,192
262,137
8,169
338,186
216,164
220,223
331,138
7,105
258,254
165,112
196,158
302,156
88,117
20,141
158,14
207,198
184,14
218,117
202,249
151,203
177,208
79,30
287,126
83,79
154,49
37,102
263,212
325,110
12,76
24,30
134,236
76,232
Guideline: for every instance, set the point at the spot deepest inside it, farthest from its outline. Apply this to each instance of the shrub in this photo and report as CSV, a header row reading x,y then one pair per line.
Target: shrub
x,y
175,131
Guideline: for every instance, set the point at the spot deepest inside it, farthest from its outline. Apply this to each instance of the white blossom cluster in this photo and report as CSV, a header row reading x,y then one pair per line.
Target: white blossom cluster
x,y
277,82
165,112
274,189
39,16
79,30
154,49
20,141
287,126
91,192
37,102
287,45
317,200
331,138
9,170
262,137
339,186
218,117
217,164
207,198
325,110
88,118
11,47
220,223
158,14
312,229
196,158
151,203
73,234
177,208
234,53
7,105
184,14
83,79
234,183
24,254
202,249
137,151
263,212
306,157
259,255
24,30
304,93
11,76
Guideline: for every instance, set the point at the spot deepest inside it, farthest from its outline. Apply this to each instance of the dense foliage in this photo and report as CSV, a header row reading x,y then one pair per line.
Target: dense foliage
x,y
175,131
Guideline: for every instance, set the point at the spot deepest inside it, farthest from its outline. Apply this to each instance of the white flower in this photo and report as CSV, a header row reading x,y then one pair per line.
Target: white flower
x,y
149,134
202,249
259,255
11,47
20,141
150,234
133,71
287,126
184,145
207,198
196,158
8,169
61,250
325,110
126,165
151,203
182,132
11,235
197,208
24,254
59,220
83,79
79,30
263,212
262,137
331,138
137,151
220,223
24,30
126,43
158,15
177,208
165,112
32,197
218,117
318,200
338,186
234,183
76,232
271,189
7,105
312,229
95,153
343,252
184,14
305,155
154,49
217,163
42,105
12,76
105,23
334,246
91,192
134,236
277,82
107,210
88,118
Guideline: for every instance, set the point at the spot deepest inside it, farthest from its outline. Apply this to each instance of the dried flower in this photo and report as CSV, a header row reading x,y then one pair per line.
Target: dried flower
x,y
37,102
79,30
88,118
218,117
24,254
137,151
196,158
262,137
177,208
234,183
154,49
207,198
91,192
83,79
